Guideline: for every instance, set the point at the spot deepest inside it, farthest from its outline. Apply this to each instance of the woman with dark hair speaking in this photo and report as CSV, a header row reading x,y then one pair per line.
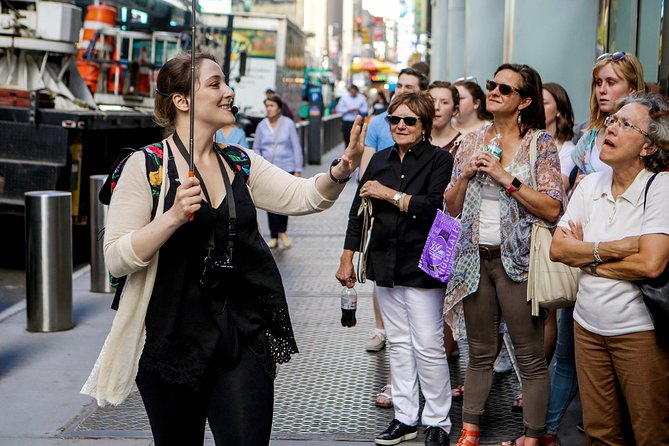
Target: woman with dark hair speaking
x,y
498,203
203,320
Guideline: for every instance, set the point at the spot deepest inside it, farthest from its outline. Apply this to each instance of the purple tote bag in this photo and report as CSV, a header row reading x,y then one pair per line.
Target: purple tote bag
x,y
439,251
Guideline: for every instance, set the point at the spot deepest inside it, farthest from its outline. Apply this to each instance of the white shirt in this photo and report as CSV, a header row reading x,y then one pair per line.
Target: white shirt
x,y
611,307
489,217
566,163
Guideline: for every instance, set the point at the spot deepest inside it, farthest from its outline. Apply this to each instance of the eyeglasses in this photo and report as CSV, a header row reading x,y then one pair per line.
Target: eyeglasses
x,y
408,120
504,89
466,79
613,56
625,125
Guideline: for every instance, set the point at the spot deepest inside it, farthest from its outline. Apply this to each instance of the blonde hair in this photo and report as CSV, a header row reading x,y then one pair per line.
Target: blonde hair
x,y
629,68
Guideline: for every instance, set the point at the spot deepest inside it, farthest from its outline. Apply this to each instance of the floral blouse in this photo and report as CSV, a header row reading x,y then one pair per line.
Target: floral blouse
x,y
515,221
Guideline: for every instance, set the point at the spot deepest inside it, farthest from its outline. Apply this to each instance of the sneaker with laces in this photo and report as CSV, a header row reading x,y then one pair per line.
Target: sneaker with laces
x,y
503,362
377,342
396,433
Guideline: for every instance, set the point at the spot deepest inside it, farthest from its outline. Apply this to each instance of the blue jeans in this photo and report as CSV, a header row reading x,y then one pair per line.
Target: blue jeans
x,y
564,384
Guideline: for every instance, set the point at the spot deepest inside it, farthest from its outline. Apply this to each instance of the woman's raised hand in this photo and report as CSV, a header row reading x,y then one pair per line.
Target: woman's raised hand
x,y
353,153
188,198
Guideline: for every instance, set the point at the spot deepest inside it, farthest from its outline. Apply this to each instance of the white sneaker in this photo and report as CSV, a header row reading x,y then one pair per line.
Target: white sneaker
x,y
377,342
503,362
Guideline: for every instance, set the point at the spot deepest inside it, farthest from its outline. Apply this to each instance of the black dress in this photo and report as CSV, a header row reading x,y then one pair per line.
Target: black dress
x,y
193,331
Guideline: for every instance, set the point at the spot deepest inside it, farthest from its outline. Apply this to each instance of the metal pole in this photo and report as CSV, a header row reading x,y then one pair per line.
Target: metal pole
x,y
48,260
98,217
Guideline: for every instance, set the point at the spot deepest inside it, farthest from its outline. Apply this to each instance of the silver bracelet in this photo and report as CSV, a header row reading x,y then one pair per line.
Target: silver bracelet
x,y
595,253
402,202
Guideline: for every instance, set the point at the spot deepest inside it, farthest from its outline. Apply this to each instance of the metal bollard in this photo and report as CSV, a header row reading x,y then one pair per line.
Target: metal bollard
x,y
48,260
98,217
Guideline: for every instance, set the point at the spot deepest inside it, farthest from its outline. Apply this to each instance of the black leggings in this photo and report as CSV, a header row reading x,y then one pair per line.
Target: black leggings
x,y
238,404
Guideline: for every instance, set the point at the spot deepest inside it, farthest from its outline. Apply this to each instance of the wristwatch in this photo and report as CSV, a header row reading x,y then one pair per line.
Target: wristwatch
x,y
332,177
593,269
396,199
515,185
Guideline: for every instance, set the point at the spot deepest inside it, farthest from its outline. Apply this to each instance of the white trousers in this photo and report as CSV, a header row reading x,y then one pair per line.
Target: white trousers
x,y
415,330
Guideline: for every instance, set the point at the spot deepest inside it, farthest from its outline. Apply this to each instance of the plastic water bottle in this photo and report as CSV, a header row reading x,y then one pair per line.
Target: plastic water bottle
x,y
349,303
494,147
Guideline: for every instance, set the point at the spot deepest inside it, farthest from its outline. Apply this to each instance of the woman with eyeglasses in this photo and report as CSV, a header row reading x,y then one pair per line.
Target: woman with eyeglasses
x,y
616,229
203,320
614,76
498,202
472,113
405,185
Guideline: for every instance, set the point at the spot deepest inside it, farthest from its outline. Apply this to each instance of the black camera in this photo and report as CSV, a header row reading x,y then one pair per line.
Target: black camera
x,y
216,270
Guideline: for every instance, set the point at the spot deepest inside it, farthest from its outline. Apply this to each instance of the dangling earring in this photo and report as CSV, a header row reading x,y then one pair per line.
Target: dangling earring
x,y
519,120
423,136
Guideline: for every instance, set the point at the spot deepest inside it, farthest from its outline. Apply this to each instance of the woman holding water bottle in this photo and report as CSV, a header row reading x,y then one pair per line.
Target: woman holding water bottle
x,y
405,185
493,190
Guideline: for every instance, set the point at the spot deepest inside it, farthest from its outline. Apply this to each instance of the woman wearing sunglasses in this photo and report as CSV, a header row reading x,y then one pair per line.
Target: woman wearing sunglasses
x,y
614,76
405,185
497,212
616,229
203,320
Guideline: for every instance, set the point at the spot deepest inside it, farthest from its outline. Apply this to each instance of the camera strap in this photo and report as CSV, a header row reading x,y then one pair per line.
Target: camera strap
x,y
232,220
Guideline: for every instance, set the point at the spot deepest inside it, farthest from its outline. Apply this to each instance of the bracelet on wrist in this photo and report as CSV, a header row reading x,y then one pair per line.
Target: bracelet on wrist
x,y
396,199
402,197
595,253
332,177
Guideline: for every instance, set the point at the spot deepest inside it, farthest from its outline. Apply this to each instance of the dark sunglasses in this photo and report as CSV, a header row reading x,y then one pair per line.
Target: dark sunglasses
x,y
503,88
408,120
618,55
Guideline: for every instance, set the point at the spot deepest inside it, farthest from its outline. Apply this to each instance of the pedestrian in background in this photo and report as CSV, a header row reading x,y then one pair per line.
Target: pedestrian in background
x,y
616,229
277,141
231,134
472,113
411,302
380,103
202,326
350,106
497,212
285,109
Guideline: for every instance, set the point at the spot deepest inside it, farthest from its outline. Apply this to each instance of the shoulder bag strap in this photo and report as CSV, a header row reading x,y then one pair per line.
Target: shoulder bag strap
x,y
276,137
645,194
533,155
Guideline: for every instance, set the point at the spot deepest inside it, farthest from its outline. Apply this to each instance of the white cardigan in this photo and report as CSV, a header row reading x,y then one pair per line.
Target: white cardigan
x,y
115,370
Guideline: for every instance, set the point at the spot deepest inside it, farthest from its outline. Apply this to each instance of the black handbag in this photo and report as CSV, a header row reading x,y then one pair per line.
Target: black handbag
x,y
656,294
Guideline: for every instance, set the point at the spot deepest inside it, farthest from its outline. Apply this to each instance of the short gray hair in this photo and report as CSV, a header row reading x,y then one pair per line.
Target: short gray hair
x,y
658,127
